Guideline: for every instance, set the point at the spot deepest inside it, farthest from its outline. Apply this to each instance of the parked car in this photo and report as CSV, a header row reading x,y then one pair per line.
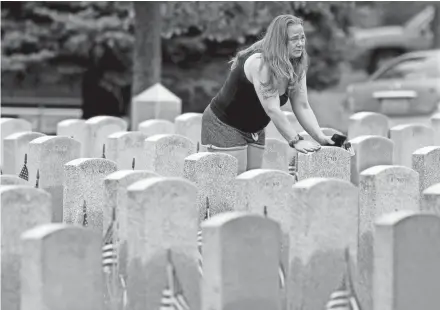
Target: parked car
x,y
372,46
408,85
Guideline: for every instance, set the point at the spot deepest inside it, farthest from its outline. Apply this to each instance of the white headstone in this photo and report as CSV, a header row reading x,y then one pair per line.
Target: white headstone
x,y
406,262
115,197
407,139
270,191
189,125
368,123
382,189
162,216
84,182
431,199
155,102
98,129
122,147
370,151
426,162
153,127
47,156
15,147
9,126
328,162
75,128
324,223
22,208
276,155
214,176
241,255
61,268
165,154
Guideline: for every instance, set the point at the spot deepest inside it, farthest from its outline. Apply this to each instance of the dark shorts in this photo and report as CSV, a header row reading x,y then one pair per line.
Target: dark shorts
x,y
217,133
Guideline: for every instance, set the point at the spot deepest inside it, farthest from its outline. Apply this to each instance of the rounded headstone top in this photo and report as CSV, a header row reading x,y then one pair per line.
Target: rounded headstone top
x,y
151,122
128,134
225,218
166,182
19,121
203,156
30,193
426,150
123,174
54,139
410,126
261,173
310,183
394,218
85,163
68,122
188,116
433,190
105,120
44,231
167,137
361,139
24,135
376,170
365,114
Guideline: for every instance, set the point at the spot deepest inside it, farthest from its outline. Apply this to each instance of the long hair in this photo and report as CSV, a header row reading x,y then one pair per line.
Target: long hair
x,y
274,49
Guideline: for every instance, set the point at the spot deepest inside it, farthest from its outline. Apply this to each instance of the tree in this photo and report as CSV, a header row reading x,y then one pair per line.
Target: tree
x,y
436,25
49,43
147,48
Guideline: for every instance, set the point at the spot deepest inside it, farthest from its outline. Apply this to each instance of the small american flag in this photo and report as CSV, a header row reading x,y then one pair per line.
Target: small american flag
x,y
281,272
172,295
344,298
200,238
85,222
109,254
37,182
24,173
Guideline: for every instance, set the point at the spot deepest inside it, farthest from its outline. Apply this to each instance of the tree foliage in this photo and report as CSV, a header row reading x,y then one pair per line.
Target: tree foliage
x,y
65,35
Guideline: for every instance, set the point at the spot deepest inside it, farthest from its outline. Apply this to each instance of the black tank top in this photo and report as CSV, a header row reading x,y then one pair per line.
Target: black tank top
x,y
237,103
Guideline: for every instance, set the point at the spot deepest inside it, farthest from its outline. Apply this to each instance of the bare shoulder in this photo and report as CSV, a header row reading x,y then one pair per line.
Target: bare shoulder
x,y
253,69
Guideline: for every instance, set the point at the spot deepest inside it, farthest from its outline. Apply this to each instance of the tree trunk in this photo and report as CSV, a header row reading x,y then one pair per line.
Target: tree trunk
x,y
147,58
436,25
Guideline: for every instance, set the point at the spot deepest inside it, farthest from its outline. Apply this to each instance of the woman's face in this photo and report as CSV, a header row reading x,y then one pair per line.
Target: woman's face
x,y
296,40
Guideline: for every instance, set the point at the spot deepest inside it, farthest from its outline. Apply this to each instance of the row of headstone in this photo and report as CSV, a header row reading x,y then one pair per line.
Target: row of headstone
x,y
377,124
96,131
318,219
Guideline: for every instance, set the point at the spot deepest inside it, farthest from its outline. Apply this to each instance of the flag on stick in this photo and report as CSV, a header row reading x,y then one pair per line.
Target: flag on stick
x,y
281,272
85,221
344,298
37,182
200,238
172,295
109,255
24,173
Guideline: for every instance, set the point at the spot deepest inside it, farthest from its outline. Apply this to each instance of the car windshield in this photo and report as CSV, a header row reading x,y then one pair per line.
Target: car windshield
x,y
412,68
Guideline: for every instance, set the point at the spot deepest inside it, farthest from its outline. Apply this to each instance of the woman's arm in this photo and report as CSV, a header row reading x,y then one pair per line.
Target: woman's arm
x,y
270,99
304,113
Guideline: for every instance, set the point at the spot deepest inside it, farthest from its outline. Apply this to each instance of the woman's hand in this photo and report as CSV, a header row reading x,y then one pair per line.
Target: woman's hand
x,y
305,147
326,140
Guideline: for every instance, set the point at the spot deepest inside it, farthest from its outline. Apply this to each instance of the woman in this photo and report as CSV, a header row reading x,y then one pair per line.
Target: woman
x,y
262,78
